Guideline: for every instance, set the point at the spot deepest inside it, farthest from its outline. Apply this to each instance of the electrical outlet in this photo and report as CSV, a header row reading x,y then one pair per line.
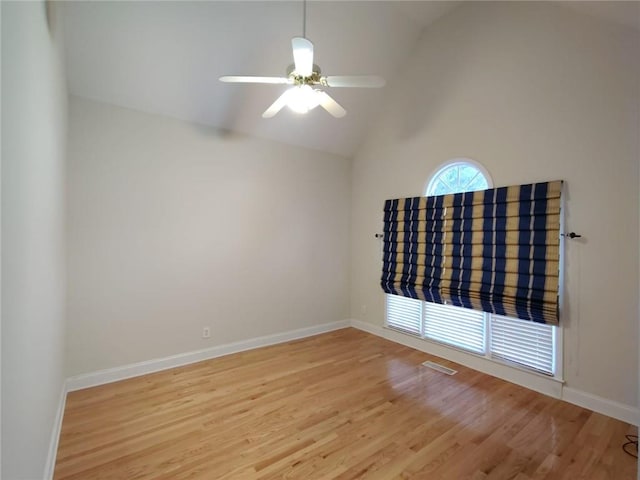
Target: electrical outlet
x,y
206,332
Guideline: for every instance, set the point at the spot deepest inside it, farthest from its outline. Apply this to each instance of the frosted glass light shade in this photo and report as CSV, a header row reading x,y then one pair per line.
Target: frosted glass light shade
x,y
302,98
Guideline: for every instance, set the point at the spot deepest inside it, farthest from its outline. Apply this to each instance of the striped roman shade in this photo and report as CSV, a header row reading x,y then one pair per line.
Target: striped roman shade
x,y
494,250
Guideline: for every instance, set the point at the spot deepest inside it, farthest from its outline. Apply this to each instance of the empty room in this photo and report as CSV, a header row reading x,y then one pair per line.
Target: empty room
x,y
320,240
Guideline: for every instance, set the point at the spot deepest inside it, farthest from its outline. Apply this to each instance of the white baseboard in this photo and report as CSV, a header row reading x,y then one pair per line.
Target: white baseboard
x,y
602,405
110,375
532,381
55,435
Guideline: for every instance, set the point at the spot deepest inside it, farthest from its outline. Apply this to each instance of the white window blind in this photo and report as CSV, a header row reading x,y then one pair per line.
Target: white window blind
x,y
527,343
404,314
457,326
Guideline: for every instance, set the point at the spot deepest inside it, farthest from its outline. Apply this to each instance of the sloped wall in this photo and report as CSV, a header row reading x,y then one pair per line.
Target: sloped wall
x,y
534,92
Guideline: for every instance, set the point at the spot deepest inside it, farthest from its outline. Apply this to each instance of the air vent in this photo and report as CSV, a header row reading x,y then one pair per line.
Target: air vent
x,y
440,368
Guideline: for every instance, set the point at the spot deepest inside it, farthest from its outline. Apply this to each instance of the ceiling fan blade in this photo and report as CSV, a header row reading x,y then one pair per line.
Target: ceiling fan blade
x,y
251,79
302,56
330,105
276,106
363,81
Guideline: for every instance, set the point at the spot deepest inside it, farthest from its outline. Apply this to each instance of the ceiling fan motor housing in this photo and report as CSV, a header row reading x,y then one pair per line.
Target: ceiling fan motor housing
x,y
313,79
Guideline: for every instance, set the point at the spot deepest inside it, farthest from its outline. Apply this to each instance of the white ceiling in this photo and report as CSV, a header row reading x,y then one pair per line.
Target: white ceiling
x,y
166,57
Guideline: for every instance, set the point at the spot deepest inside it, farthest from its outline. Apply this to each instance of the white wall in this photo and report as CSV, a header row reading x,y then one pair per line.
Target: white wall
x,y
534,92
33,263
174,226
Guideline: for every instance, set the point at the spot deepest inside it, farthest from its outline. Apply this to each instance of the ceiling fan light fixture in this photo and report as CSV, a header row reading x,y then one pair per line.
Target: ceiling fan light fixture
x,y
302,98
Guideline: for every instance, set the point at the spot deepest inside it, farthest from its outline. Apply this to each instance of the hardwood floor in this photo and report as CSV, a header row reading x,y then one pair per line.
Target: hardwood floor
x,y
341,405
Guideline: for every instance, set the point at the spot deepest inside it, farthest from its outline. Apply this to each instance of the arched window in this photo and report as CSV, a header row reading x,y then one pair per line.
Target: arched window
x,y
460,175
525,344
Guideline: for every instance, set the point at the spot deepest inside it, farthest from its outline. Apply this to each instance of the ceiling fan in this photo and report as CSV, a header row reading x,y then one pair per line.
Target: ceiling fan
x,y
305,77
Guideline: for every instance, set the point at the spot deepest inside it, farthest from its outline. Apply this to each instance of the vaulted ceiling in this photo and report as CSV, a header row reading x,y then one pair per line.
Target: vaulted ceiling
x,y
166,57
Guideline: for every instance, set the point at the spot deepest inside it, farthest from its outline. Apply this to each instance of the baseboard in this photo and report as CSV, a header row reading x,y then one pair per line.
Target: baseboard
x,y
602,405
532,381
55,435
110,375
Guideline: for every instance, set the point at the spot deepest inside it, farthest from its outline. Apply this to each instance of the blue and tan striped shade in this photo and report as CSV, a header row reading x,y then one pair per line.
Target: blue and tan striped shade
x,y
494,250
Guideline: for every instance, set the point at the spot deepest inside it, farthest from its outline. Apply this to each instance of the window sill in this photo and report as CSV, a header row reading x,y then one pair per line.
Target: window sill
x,y
514,373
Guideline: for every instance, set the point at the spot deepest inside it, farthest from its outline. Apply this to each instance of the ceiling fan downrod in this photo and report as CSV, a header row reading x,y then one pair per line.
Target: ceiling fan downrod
x,y
304,18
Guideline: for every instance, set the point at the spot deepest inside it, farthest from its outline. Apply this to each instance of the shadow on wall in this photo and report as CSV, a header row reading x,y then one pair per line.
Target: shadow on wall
x,y
50,12
571,289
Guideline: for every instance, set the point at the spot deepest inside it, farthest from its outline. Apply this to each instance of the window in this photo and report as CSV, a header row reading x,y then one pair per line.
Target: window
x,y
405,314
524,344
459,176
466,331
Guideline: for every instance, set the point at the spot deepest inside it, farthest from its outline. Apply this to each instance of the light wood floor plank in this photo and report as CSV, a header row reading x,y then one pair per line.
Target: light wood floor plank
x,y
343,405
